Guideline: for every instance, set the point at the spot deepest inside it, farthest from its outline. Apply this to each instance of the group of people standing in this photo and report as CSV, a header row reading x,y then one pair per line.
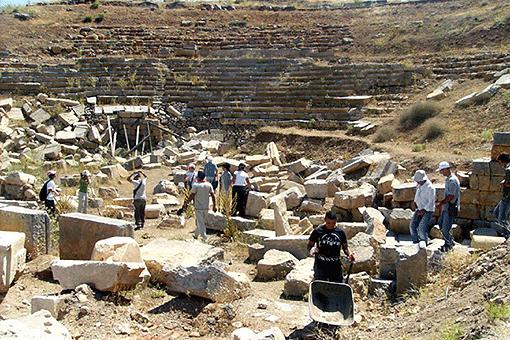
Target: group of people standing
x,y
203,185
425,202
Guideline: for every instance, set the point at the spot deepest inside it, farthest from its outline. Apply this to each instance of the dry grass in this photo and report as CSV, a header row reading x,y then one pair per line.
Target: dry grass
x,y
453,264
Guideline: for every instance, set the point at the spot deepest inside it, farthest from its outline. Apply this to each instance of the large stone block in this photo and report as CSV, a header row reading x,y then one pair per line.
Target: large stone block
x,y
352,228
254,160
275,265
388,260
481,167
316,188
40,325
187,267
115,171
35,224
117,249
404,192
411,268
52,303
355,198
299,166
103,276
153,211
366,251
469,211
12,257
80,232
385,183
257,201
294,244
400,220
281,223
485,238
297,282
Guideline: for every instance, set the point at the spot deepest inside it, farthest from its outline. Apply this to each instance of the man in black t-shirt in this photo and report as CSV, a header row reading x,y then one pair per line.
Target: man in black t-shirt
x,y
325,243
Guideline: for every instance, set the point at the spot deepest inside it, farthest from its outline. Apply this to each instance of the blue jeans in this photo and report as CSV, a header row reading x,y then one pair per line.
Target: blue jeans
x,y
501,212
419,226
445,224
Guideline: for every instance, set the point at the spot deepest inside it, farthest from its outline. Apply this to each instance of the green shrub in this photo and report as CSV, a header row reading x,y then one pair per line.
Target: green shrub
x,y
384,134
88,18
453,332
418,147
417,114
99,18
496,311
433,130
487,135
95,5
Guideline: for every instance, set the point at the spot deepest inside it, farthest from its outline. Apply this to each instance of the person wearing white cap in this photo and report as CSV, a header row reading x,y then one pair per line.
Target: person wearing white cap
x,y
449,206
211,172
83,192
191,176
424,200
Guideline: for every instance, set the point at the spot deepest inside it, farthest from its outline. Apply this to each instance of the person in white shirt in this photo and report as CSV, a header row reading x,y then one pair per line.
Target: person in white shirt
x,y
201,193
240,190
51,193
425,201
139,181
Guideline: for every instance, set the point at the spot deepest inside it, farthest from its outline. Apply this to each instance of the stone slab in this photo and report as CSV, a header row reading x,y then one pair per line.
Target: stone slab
x,y
80,232
35,224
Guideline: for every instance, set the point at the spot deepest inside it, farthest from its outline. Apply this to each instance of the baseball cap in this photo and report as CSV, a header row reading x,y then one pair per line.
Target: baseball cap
x,y
419,176
443,165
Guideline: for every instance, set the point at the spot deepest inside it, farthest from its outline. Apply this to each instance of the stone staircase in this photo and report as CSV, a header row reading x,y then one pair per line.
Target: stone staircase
x,y
175,41
482,65
254,91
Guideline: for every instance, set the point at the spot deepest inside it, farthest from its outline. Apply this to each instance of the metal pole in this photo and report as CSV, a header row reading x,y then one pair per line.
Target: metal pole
x,y
137,138
149,134
126,136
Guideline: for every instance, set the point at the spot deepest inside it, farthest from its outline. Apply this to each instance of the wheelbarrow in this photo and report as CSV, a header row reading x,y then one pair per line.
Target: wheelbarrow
x,y
331,303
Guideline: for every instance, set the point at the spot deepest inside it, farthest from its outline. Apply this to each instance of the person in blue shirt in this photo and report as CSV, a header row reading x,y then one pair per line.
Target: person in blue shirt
x,y
211,172
449,206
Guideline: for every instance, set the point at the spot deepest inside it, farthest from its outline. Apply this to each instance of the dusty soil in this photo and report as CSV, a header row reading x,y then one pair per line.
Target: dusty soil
x,y
179,317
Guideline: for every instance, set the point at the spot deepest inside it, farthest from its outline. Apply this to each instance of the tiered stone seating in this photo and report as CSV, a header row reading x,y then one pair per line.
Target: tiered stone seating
x,y
163,41
471,66
254,91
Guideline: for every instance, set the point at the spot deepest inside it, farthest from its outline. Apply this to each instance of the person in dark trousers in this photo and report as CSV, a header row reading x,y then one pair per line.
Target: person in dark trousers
x,y
503,207
51,193
240,190
325,243
139,181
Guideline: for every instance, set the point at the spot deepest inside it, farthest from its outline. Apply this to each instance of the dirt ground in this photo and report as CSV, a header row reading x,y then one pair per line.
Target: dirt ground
x,y
168,316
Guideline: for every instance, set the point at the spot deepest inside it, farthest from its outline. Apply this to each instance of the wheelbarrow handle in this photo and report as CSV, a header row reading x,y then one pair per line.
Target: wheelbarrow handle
x,y
349,271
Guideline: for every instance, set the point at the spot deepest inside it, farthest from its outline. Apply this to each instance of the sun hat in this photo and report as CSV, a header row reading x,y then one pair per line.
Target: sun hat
x,y
51,172
419,176
443,165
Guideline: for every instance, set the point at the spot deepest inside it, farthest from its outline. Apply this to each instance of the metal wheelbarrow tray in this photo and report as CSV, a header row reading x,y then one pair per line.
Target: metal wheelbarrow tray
x,y
331,303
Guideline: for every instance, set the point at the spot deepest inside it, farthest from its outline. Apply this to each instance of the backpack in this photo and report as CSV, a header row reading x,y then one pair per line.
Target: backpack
x,y
43,194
